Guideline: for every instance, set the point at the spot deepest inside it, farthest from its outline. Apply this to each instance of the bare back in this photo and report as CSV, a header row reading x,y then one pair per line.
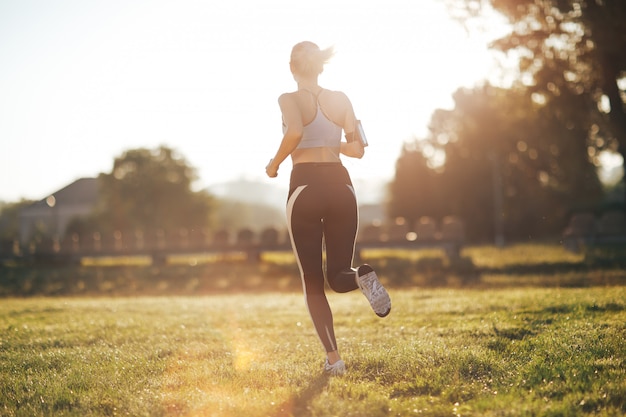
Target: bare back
x,y
336,107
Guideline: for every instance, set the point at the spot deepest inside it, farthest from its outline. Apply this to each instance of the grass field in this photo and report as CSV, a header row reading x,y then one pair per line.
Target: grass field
x,y
484,267
441,352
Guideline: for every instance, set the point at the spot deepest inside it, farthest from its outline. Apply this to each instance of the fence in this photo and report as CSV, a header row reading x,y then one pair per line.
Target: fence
x,y
586,230
158,244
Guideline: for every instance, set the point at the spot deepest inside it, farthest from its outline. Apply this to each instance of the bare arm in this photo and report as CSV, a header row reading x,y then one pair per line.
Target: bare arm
x,y
292,136
352,148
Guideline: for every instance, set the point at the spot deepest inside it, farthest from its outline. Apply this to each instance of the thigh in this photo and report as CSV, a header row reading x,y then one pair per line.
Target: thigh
x,y
340,228
304,221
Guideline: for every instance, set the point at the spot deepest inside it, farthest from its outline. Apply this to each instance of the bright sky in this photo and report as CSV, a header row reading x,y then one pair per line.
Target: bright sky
x,y
83,81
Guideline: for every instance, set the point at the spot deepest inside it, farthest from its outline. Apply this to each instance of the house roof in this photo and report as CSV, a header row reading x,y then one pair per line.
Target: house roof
x,y
81,191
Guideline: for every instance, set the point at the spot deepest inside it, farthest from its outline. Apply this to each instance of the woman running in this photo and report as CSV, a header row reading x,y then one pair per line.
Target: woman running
x,y
321,206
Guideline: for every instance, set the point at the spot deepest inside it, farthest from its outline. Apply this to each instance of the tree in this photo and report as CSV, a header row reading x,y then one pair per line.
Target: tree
x,y
150,190
491,162
413,190
570,48
510,167
10,219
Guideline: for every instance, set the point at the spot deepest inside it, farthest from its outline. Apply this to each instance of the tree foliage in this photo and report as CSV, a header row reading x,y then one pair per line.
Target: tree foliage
x,y
509,163
413,190
570,48
525,155
10,219
151,190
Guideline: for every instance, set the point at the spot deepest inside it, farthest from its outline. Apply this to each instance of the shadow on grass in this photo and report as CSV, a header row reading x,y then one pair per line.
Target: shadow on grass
x,y
238,277
299,404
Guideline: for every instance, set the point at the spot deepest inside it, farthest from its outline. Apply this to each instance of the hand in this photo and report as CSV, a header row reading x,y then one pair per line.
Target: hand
x,y
271,170
352,149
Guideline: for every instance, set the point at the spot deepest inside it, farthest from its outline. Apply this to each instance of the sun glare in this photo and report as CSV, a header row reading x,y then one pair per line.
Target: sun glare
x,y
191,76
399,74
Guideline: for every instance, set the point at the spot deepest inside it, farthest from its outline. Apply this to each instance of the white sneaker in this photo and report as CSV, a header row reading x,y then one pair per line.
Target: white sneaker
x,y
373,290
336,369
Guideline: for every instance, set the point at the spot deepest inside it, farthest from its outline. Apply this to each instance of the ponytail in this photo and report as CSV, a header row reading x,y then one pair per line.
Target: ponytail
x,y
308,59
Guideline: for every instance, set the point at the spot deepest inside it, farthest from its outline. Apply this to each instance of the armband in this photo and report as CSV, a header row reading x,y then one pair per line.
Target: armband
x,y
358,134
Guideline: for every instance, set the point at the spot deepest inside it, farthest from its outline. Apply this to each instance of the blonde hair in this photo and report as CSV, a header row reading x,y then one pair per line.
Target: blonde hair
x,y
308,59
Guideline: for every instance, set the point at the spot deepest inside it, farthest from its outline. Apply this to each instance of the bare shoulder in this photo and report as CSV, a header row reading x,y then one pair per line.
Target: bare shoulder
x,y
338,96
337,100
339,106
287,100
286,97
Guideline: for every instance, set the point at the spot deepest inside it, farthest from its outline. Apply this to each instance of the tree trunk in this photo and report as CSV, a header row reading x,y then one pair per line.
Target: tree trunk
x,y
617,114
610,50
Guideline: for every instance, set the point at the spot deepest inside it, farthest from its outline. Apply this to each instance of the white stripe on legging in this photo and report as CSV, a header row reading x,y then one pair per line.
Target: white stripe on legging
x,y
290,204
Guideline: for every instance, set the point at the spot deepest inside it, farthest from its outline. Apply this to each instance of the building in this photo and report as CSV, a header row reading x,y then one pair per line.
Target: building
x,y
54,213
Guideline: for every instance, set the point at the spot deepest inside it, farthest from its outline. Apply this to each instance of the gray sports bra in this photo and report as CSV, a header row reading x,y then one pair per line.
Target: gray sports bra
x,y
321,132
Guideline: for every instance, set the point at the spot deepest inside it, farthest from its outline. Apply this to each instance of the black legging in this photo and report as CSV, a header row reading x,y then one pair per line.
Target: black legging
x,y
322,206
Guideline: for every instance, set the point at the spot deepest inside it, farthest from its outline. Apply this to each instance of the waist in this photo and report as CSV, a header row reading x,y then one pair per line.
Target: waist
x,y
320,154
319,173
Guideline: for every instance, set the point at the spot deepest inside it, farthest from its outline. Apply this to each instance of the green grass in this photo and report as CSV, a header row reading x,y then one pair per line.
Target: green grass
x,y
521,254
483,267
441,352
